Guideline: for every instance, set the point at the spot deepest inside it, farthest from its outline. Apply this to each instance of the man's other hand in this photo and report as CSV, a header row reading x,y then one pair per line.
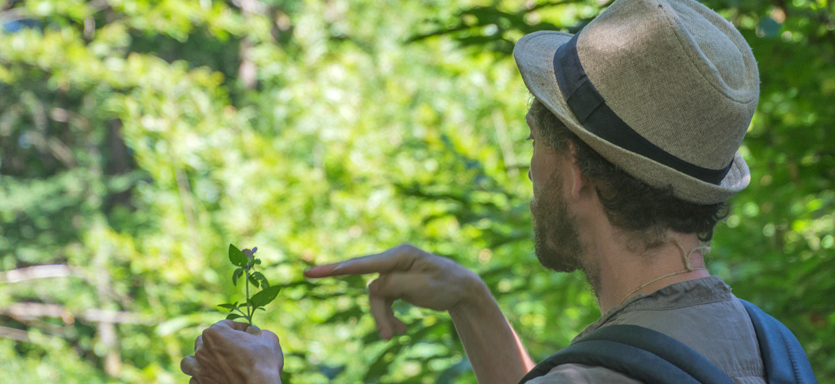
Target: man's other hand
x,y
410,274
230,352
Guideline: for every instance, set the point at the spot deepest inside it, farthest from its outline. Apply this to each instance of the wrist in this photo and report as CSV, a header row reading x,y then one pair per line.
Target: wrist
x,y
476,299
264,375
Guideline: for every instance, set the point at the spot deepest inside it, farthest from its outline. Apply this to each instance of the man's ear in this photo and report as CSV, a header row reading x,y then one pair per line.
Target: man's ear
x,y
581,185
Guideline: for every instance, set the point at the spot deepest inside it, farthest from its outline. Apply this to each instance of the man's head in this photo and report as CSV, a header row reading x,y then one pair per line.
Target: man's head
x,y
643,213
645,107
664,89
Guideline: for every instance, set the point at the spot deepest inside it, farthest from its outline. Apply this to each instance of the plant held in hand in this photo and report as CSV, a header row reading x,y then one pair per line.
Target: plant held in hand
x,y
245,261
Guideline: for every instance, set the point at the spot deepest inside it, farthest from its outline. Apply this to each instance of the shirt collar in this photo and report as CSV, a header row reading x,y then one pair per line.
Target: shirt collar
x,y
684,294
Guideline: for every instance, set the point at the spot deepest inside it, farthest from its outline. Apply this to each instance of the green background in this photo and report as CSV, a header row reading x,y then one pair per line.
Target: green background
x,y
139,138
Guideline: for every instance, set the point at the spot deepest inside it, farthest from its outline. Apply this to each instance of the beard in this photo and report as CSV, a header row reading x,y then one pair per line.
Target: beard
x,y
556,238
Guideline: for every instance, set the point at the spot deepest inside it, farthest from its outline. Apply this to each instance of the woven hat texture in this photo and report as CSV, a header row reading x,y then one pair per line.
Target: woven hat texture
x,y
676,72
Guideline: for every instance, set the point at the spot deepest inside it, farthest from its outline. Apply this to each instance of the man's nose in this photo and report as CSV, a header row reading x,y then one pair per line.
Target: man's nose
x,y
529,174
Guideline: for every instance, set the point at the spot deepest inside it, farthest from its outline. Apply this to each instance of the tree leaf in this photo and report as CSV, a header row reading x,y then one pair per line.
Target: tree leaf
x,y
233,316
266,296
229,306
236,256
238,273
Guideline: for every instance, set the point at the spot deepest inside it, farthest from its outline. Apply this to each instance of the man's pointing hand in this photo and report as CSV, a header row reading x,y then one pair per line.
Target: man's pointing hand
x,y
409,274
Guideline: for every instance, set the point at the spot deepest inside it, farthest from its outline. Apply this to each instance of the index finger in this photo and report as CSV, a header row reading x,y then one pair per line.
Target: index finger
x,y
399,258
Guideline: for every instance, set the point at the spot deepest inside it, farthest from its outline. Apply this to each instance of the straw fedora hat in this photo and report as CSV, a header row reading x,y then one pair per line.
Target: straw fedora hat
x,y
664,89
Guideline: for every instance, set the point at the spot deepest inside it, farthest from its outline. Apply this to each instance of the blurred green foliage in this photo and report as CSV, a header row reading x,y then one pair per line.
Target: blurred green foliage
x,y
139,137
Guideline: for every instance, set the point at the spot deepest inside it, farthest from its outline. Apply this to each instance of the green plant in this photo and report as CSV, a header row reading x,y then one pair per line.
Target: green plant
x,y
245,261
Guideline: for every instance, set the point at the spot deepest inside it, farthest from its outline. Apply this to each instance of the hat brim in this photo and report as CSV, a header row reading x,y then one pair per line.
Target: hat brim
x,y
534,54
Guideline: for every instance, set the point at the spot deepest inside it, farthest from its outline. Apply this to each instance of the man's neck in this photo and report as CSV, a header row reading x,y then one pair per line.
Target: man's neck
x,y
617,272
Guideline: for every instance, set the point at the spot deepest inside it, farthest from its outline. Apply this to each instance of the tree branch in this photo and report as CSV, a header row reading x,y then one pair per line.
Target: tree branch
x,y
28,311
253,6
16,334
38,272
59,270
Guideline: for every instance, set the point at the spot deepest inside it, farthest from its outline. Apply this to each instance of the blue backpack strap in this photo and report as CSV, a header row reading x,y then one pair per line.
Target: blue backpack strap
x,y
783,357
640,353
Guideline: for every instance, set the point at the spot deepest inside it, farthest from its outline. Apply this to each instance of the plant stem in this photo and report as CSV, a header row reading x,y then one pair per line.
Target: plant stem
x,y
249,315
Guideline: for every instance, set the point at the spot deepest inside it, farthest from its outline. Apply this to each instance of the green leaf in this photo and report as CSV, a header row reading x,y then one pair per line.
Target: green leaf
x,y
258,261
236,256
238,273
260,277
266,296
254,281
233,316
229,306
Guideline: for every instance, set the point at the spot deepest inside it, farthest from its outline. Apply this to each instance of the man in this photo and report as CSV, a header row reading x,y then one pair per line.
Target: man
x,y
635,125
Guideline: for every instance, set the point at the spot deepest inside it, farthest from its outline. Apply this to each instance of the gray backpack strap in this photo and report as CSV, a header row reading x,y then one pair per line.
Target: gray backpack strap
x,y
640,353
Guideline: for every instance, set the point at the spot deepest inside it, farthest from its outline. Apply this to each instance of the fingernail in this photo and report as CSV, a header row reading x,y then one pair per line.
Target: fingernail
x,y
337,267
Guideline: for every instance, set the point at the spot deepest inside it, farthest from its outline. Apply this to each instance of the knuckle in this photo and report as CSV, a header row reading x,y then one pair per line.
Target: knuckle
x,y
406,247
272,336
374,287
200,355
208,335
227,323
383,280
413,251
410,254
380,286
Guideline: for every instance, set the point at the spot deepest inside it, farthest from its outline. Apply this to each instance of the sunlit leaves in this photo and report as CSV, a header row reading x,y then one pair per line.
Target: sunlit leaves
x,y
351,142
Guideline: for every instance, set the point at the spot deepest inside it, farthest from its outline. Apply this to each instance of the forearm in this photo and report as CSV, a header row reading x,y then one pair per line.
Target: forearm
x,y
495,351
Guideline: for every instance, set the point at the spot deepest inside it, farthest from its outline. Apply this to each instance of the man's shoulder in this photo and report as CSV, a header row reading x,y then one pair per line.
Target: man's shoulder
x,y
582,374
701,314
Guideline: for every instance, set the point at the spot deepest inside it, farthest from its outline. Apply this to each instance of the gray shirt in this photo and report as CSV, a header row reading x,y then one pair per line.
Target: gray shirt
x,y
701,313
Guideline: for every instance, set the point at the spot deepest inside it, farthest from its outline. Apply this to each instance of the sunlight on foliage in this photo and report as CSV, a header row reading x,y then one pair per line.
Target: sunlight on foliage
x,y
139,138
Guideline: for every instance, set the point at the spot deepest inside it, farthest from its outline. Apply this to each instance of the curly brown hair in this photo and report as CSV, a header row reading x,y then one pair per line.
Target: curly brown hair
x,y
629,203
